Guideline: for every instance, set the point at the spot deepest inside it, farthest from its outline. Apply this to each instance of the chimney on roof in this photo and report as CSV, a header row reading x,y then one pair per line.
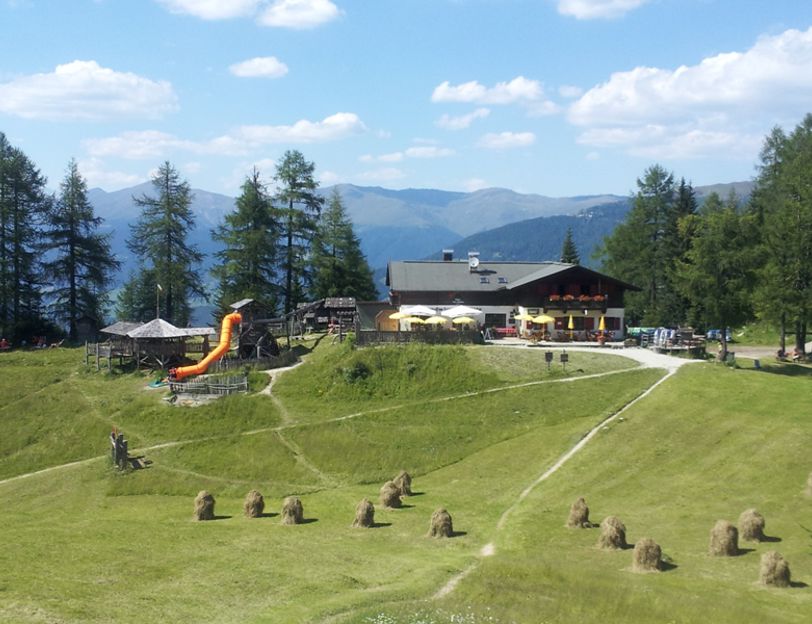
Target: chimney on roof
x,y
448,255
473,260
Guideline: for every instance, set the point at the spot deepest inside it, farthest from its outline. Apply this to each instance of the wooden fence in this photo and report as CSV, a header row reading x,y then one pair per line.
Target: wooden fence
x,y
220,386
286,358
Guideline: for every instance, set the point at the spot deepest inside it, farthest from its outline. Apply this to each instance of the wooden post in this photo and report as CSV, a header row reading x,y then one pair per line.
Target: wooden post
x,y
98,367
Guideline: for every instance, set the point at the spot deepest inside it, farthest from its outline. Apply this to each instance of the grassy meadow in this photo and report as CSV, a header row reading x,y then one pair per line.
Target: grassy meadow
x,y
474,426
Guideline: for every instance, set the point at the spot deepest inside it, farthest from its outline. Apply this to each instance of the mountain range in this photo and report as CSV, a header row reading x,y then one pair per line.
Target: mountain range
x,y
419,223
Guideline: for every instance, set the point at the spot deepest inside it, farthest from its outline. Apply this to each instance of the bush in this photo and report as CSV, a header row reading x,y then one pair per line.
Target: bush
x,y
356,372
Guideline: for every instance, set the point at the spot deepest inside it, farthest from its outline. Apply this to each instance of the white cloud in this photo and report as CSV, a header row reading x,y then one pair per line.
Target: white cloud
x,y
462,121
597,9
84,90
94,171
259,67
299,14
328,178
429,152
334,127
420,151
720,104
570,91
507,140
142,145
474,184
520,89
386,174
212,9
154,144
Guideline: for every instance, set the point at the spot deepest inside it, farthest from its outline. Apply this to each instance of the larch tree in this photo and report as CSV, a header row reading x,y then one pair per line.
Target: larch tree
x,y
339,266
782,203
160,239
81,262
247,262
24,206
641,250
717,274
299,208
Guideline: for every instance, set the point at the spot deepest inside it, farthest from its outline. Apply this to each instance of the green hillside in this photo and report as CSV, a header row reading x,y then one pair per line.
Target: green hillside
x,y
474,426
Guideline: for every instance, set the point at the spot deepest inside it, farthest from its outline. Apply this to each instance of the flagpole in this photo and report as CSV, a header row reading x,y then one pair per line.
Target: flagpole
x,y
158,290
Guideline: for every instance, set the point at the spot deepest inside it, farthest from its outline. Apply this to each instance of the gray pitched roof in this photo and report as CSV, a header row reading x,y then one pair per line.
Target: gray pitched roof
x,y
157,328
120,328
456,275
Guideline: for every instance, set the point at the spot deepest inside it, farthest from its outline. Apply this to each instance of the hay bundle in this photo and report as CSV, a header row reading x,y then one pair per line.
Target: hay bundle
x,y
724,540
390,495
364,515
751,526
254,504
204,506
441,524
774,570
292,511
613,534
579,515
647,556
404,483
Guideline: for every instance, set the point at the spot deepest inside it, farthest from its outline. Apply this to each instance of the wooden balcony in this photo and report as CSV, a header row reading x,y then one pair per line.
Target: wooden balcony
x,y
571,302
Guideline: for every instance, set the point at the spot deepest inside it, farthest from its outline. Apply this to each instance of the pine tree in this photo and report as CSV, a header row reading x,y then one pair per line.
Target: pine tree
x,y
82,261
641,250
299,208
160,238
782,203
716,276
339,266
249,236
569,252
24,205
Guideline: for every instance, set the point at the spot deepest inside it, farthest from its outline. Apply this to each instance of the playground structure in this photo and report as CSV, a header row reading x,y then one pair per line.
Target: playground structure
x,y
181,372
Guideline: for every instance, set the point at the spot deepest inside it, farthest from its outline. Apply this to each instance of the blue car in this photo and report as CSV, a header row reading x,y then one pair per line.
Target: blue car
x,y
716,334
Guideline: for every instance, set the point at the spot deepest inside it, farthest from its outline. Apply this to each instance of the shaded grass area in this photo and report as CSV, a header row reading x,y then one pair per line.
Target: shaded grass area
x,y
709,444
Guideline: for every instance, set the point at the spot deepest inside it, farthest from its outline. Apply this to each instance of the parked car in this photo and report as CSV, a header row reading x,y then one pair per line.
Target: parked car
x,y
716,334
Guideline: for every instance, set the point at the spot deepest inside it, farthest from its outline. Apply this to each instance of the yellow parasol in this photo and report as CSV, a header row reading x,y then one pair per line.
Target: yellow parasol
x,y
543,318
571,323
435,320
463,320
396,316
414,320
602,324
524,317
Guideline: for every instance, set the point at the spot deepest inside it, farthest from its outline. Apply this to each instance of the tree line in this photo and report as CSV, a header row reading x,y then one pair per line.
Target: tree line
x,y
279,248
727,261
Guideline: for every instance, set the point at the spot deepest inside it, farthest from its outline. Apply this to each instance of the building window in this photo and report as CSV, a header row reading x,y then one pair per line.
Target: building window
x,y
503,280
484,280
495,320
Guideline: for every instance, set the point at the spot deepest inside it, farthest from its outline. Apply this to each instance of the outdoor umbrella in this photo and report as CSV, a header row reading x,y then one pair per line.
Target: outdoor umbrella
x,y
543,318
602,324
414,320
435,320
461,310
524,317
462,320
419,310
571,326
396,316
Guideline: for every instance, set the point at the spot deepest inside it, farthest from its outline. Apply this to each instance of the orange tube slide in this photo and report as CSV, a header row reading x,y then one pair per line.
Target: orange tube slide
x,y
177,374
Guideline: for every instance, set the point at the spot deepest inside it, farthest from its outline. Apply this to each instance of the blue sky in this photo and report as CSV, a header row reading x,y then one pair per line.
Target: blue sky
x,y
556,97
